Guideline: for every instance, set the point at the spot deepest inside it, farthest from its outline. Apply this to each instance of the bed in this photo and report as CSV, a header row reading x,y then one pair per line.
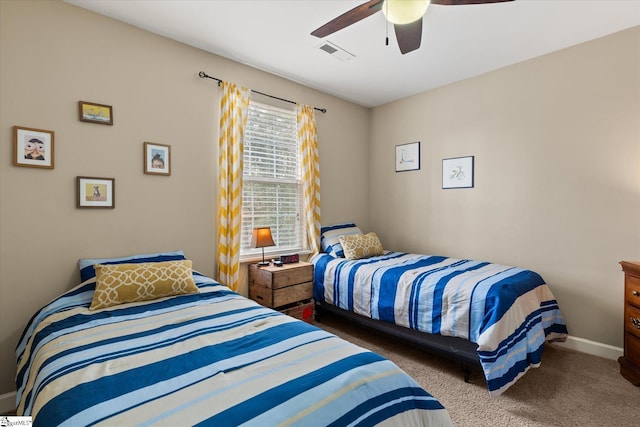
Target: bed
x,y
197,354
482,314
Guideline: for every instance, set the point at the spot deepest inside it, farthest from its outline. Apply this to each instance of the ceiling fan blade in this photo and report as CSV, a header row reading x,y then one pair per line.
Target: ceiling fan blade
x,y
356,14
461,2
409,36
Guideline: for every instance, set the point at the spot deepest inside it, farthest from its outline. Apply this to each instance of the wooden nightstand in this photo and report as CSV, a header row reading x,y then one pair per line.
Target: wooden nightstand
x,y
630,361
288,289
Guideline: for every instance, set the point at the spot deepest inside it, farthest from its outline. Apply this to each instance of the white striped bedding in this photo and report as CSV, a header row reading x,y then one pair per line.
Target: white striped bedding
x,y
212,358
509,312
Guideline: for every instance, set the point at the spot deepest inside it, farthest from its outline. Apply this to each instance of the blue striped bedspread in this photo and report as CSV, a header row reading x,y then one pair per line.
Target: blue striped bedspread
x,y
509,312
212,358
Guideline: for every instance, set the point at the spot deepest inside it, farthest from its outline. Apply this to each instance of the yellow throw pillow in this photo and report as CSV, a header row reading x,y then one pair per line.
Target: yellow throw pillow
x,y
361,246
122,283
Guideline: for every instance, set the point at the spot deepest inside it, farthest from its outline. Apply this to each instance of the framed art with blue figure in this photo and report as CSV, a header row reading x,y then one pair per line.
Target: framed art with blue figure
x,y
157,159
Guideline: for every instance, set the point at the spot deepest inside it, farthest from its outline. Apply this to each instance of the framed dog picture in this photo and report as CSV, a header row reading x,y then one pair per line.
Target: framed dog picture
x,y
95,192
33,148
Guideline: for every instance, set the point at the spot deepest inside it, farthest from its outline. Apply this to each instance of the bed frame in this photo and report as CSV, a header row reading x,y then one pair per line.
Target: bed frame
x,y
454,348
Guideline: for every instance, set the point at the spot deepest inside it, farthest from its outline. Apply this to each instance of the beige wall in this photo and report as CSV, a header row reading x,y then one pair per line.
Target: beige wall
x,y
556,142
53,55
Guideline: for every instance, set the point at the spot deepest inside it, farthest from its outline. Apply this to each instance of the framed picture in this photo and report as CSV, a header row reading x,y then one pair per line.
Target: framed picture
x,y
95,192
33,148
457,172
95,113
408,157
157,159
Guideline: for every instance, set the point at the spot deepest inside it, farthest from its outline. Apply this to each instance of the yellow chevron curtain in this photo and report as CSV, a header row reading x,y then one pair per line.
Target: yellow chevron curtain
x,y
233,117
308,143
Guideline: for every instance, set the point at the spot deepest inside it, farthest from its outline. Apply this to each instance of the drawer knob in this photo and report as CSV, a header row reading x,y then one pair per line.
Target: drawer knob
x,y
635,321
635,293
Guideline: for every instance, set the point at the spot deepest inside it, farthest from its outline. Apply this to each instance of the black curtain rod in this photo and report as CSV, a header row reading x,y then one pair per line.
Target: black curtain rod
x,y
204,75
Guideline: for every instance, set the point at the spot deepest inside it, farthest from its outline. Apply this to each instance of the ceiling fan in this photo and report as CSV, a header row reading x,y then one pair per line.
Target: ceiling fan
x,y
405,15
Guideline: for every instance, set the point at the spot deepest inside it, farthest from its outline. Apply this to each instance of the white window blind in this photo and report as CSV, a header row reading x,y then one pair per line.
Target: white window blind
x,y
272,188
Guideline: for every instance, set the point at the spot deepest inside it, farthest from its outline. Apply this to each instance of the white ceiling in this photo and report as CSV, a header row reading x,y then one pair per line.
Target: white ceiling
x,y
458,42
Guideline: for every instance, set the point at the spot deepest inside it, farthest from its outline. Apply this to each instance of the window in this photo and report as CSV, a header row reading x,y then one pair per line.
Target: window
x,y
272,186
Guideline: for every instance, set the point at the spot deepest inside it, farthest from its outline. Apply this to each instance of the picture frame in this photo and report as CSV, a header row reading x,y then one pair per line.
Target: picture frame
x,y
92,112
33,148
157,159
92,192
457,172
408,157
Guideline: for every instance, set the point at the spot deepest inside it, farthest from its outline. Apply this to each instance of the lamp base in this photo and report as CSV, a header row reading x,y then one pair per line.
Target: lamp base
x,y
263,263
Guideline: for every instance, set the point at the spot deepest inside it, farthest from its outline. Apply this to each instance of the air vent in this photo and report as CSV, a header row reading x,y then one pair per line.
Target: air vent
x,y
336,51
328,48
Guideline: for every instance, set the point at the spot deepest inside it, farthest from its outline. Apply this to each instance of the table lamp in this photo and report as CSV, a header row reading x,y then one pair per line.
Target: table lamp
x,y
261,238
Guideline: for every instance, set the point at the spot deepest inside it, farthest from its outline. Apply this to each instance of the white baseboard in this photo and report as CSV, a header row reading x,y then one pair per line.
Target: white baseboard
x,y
7,402
592,347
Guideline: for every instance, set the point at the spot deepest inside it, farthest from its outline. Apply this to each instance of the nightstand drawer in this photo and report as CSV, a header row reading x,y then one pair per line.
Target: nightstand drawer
x,y
283,296
295,275
279,277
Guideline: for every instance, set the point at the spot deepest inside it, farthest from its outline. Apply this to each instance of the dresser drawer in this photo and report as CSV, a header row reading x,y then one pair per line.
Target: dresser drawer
x,y
632,348
632,290
632,320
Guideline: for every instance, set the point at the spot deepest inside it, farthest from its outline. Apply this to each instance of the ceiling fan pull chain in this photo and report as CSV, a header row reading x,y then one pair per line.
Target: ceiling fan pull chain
x,y
386,27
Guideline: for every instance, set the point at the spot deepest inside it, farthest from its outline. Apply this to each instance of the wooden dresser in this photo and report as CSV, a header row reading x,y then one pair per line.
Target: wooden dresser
x,y
288,289
630,361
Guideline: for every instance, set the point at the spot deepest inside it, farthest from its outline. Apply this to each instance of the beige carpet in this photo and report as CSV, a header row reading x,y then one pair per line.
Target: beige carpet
x,y
569,388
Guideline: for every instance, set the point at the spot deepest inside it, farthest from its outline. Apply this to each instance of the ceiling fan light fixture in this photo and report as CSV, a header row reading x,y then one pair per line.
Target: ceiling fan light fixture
x,y
403,12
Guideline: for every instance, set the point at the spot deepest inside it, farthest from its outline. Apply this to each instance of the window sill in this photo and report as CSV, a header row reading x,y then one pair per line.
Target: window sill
x,y
253,258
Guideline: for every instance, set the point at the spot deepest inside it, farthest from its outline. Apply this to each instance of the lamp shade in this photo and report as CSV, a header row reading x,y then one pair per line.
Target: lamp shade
x,y
261,237
404,11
